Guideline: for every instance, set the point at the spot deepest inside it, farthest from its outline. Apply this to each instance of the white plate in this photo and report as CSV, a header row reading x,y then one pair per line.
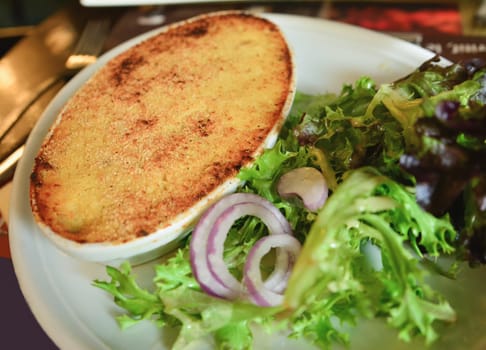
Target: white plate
x,y
77,315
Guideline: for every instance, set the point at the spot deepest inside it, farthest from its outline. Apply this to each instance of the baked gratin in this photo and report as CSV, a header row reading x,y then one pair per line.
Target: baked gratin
x,y
161,130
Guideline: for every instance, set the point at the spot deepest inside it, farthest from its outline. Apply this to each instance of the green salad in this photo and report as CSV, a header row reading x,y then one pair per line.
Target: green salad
x,y
404,166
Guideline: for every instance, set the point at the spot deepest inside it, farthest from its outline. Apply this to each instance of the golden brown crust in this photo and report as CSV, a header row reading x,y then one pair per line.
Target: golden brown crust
x,y
160,126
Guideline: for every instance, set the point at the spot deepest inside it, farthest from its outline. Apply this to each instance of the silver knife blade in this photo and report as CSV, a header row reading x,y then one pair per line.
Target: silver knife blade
x,y
31,74
28,82
7,167
35,60
18,134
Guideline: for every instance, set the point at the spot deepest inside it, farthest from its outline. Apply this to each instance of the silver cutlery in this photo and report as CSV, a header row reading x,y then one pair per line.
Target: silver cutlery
x,y
85,52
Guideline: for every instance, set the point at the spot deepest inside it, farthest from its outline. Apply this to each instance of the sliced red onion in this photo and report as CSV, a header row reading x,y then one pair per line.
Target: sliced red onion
x,y
258,291
307,183
212,273
278,279
270,216
198,251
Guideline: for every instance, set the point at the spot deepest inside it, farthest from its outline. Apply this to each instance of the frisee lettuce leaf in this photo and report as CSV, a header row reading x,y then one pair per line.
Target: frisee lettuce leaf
x,y
329,267
331,280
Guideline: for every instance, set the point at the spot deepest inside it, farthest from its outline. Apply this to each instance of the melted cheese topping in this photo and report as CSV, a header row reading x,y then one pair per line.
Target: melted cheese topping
x,y
160,126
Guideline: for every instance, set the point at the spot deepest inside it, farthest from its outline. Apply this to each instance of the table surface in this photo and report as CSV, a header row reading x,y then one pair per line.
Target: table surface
x,y
18,327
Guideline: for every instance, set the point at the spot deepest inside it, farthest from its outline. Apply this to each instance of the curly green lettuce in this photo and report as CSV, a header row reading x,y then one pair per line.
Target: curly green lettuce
x,y
330,281
329,274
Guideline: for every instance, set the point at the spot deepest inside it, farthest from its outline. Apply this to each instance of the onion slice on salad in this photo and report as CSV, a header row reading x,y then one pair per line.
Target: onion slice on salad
x,y
207,244
307,183
270,216
258,291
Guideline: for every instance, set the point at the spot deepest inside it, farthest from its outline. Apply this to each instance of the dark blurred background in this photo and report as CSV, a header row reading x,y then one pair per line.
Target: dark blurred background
x,y
17,17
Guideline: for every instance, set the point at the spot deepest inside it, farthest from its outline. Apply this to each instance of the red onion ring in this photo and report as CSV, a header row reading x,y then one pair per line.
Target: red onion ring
x,y
257,290
270,216
207,243
307,183
198,251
